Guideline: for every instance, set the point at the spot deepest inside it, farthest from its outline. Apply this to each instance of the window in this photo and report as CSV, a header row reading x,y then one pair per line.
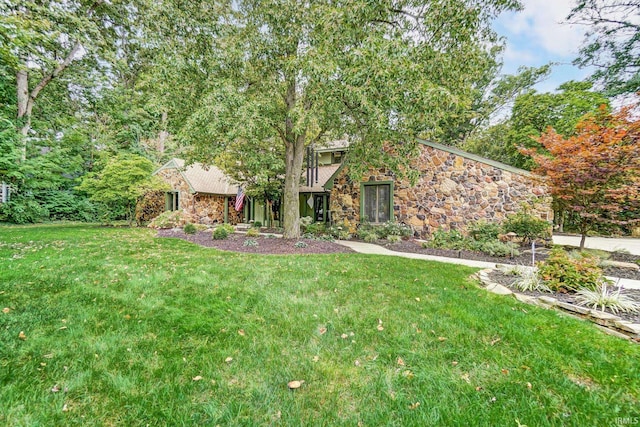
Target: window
x,y
376,201
172,201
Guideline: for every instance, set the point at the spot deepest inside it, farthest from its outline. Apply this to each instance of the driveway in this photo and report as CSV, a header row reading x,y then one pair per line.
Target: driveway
x,y
630,245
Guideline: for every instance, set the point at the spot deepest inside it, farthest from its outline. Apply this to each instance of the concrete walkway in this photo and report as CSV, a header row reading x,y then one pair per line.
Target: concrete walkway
x,y
369,248
610,244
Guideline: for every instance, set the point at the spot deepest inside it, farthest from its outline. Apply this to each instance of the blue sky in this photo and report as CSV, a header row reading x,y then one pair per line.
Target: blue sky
x,y
537,36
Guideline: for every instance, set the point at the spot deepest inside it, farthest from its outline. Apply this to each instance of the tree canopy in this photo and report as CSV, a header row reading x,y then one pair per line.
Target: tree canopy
x,y
596,172
612,42
300,73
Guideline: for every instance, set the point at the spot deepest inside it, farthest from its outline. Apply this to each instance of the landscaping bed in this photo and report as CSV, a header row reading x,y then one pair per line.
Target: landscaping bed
x,y
265,245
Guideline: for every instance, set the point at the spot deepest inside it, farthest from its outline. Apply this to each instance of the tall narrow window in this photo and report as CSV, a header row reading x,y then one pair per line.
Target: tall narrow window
x,y
376,203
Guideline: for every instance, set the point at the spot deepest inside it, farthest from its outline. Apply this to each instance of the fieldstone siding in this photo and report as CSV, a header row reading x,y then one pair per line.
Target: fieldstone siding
x,y
451,192
199,208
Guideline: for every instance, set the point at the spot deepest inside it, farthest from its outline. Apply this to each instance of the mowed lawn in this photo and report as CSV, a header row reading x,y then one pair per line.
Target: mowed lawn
x,y
105,326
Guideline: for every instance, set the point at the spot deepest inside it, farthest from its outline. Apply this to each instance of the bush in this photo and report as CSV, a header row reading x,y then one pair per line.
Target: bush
x,y
250,242
483,231
149,206
222,231
392,238
169,219
607,297
305,221
316,228
67,205
300,244
443,239
257,224
189,228
253,232
392,228
527,226
22,210
566,274
498,248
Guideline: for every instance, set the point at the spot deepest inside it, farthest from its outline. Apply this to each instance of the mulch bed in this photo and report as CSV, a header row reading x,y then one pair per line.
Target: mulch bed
x,y
525,258
275,246
508,280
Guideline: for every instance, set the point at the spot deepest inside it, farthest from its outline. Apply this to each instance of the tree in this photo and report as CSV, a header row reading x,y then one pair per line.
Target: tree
x,y
120,182
531,115
41,40
612,43
299,73
596,172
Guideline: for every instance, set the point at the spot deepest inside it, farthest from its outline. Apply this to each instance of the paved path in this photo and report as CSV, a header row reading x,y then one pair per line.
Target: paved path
x,y
630,245
369,248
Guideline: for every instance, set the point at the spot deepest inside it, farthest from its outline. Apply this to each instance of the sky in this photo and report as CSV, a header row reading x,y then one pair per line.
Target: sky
x,y
537,35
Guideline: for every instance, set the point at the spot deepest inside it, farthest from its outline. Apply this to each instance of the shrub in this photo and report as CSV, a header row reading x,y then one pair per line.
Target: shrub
x,y
451,239
527,226
150,205
529,280
253,232
316,228
371,237
300,244
305,221
563,273
222,231
168,219
606,297
498,248
483,231
257,224
392,238
189,228
392,228
250,242
22,210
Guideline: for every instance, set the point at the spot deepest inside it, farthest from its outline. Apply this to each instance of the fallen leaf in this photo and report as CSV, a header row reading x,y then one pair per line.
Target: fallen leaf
x,y
465,377
65,408
454,363
495,341
295,384
22,336
505,371
357,363
400,361
127,316
241,332
414,405
418,299
322,331
407,374
6,310
48,356
197,378
493,399
55,389
441,339
529,386
478,388
525,367
316,358
380,328
228,359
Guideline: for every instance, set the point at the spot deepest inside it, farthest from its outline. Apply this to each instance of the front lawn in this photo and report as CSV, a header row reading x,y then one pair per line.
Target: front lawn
x,y
104,326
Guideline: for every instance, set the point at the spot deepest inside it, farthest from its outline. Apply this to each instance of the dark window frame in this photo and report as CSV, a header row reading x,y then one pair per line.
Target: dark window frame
x,y
363,216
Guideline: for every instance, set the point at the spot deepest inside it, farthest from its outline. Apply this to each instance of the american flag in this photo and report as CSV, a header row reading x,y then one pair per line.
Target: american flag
x,y
239,199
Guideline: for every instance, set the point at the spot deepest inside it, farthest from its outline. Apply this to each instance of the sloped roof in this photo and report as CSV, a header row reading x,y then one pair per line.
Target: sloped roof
x,y
324,174
210,180
334,145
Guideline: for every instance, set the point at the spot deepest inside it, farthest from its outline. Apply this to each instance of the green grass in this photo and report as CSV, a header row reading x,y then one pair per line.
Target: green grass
x,y
122,322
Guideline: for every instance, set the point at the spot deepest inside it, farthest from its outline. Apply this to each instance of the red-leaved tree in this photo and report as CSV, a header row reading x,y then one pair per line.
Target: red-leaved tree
x,y
595,173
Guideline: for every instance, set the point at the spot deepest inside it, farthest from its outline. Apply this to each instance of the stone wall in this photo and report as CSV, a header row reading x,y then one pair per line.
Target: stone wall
x,y
199,208
451,192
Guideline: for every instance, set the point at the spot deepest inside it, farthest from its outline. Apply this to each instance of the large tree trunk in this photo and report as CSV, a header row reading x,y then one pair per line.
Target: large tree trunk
x,y
294,155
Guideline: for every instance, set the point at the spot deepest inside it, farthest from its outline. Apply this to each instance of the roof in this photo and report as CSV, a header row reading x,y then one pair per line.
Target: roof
x,y
474,157
335,145
201,179
325,173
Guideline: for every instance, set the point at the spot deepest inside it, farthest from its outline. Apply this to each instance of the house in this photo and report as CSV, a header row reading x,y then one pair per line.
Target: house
x,y
453,189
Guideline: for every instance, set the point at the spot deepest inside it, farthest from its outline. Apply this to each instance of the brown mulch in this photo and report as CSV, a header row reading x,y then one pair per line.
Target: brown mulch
x,y
508,280
266,245
525,257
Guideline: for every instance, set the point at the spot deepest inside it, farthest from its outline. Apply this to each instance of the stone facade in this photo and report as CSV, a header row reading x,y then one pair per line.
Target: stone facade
x,y
200,208
452,190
